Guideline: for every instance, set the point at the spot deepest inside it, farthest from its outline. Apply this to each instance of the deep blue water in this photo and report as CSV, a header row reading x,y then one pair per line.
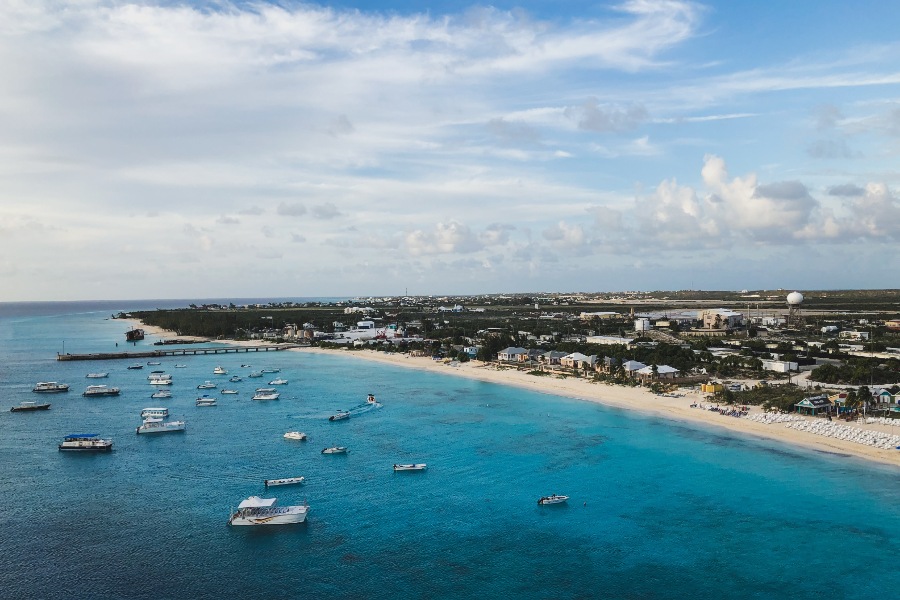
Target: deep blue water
x,y
657,510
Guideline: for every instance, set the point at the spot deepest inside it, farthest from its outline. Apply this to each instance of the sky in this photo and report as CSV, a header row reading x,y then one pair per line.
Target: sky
x,y
162,149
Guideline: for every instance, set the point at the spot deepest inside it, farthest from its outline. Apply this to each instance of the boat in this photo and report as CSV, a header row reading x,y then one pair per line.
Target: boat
x,y
158,425
153,363
283,481
206,385
30,405
135,366
278,381
219,371
100,390
180,366
371,399
553,499
85,442
161,394
229,391
158,375
50,387
262,511
206,401
156,413
295,435
161,381
340,415
134,335
255,374
411,467
235,379
245,366
335,450
270,370
265,394
97,375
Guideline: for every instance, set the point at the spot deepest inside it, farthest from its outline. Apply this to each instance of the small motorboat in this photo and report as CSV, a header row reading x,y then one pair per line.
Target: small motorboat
x,y
283,481
44,387
269,370
206,385
411,467
219,371
229,391
153,363
265,394
278,381
335,450
371,399
30,405
180,366
245,366
161,394
553,499
206,401
255,374
295,435
156,413
159,425
136,367
97,375
340,415
235,379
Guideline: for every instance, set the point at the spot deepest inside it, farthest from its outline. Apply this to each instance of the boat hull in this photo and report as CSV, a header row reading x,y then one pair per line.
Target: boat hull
x,y
162,429
30,408
64,448
285,515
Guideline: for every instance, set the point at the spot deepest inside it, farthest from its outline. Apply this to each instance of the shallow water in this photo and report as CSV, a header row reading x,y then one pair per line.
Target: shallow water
x,y
657,510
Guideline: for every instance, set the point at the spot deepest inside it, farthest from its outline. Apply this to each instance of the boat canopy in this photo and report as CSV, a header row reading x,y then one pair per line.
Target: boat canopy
x,y
257,502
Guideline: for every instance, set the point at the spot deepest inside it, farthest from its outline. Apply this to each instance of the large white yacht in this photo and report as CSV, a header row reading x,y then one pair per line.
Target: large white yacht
x,y
158,425
220,371
85,442
50,387
100,390
265,394
154,412
262,511
206,400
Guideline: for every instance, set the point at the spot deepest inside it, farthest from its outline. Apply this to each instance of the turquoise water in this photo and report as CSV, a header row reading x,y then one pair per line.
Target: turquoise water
x,y
657,510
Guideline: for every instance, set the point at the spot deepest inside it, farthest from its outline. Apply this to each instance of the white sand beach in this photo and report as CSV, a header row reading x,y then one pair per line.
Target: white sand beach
x,y
633,398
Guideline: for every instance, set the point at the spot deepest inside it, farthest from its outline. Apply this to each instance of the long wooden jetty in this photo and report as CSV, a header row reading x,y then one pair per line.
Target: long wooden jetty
x,y
177,352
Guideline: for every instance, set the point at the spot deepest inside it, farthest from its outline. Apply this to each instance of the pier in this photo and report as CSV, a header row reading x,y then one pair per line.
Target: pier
x,y
177,352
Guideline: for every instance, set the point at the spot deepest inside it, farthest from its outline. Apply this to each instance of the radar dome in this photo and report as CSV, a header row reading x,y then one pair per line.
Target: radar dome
x,y
795,298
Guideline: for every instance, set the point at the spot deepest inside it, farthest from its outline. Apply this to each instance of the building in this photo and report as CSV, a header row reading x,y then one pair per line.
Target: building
x,y
779,366
608,340
721,318
512,354
662,372
814,405
577,360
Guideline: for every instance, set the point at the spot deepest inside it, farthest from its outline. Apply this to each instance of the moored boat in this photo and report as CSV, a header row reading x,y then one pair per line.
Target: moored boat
x,y
161,394
255,374
85,442
220,371
180,366
553,499
30,405
135,367
283,481
235,379
49,387
269,370
262,511
265,394
295,435
153,363
155,412
158,425
206,385
335,450
410,467
229,391
206,401
100,390
278,381
97,375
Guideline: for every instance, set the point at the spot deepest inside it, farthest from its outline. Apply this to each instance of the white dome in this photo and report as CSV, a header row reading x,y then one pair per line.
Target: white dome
x,y
795,298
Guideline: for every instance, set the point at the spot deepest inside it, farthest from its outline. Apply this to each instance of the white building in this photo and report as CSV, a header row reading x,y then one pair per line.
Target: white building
x,y
608,340
779,366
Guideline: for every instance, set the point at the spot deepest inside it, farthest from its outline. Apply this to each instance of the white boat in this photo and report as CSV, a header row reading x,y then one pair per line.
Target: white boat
x,y
85,442
265,394
283,481
161,394
157,425
158,375
157,381
229,391
206,401
255,374
206,385
50,387
411,467
235,379
97,375
295,435
278,381
371,399
153,363
219,371
100,390
245,366
180,366
335,450
553,499
156,413
340,415
262,511
136,366
270,370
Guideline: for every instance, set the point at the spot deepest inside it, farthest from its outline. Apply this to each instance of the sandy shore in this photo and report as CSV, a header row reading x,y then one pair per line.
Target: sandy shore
x,y
637,399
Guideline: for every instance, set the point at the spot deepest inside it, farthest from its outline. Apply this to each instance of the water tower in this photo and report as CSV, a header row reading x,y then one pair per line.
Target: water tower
x,y
794,316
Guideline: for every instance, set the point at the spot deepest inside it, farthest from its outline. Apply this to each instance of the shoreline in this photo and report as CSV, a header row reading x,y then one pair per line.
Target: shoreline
x,y
636,399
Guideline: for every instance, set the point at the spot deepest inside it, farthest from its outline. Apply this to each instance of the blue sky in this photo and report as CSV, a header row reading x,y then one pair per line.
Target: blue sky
x,y
213,149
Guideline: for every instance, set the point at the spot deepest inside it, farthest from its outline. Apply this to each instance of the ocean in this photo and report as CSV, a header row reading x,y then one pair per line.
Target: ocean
x,y
657,509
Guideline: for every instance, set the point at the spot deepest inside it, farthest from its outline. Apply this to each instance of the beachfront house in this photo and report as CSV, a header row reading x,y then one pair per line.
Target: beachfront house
x,y
577,360
631,367
512,354
662,372
552,357
814,405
